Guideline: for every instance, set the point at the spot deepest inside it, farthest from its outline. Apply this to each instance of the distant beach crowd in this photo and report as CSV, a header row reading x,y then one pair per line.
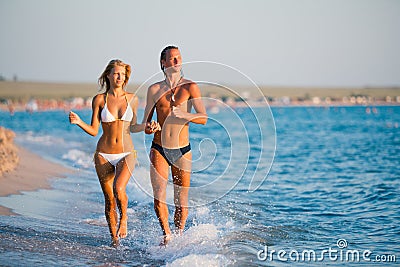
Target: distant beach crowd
x,y
213,103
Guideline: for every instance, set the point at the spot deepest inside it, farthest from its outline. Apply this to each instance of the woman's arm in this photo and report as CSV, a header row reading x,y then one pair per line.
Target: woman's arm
x,y
134,126
93,128
146,126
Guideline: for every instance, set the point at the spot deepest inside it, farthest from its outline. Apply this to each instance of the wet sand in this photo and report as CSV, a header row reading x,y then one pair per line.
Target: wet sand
x,y
32,173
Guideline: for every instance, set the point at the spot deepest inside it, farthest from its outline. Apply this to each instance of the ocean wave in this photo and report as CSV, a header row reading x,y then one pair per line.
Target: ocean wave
x,y
80,159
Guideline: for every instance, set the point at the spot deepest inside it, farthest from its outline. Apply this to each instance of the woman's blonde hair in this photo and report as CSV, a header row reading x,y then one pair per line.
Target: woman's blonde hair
x,y
103,79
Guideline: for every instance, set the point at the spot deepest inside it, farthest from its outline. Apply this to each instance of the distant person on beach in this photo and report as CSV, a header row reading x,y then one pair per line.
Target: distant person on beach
x,y
172,99
115,157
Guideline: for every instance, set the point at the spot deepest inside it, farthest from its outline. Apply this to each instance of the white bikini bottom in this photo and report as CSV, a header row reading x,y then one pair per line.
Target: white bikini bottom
x,y
115,158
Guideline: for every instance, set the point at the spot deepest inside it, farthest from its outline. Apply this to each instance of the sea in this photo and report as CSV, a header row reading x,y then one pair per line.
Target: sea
x,y
280,186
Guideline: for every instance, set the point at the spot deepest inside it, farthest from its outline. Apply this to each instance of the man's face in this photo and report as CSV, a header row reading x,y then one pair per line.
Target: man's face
x,y
173,61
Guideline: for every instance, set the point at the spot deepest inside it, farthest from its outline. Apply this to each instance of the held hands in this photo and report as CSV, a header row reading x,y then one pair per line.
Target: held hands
x,y
74,118
152,127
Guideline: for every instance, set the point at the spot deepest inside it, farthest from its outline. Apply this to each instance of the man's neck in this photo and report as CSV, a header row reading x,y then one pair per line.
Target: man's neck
x,y
173,79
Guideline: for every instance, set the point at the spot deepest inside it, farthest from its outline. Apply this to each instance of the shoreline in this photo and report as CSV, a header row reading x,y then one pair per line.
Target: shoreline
x,y
32,173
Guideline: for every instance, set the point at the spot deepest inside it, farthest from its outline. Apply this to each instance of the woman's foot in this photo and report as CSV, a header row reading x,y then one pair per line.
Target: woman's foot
x,y
123,228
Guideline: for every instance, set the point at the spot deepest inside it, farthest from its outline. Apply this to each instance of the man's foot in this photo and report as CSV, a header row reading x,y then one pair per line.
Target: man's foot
x,y
178,232
165,240
115,242
123,228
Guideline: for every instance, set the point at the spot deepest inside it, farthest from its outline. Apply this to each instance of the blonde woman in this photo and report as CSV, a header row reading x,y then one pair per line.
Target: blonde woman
x,y
116,111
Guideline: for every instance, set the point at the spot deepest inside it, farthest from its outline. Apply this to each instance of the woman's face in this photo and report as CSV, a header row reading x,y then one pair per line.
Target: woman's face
x,y
117,76
173,61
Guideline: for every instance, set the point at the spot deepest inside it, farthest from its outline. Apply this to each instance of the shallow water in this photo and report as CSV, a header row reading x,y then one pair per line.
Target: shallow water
x,y
334,185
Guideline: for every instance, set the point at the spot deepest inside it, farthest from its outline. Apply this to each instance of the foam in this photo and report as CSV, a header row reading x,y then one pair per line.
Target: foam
x,y
200,260
200,242
79,158
43,139
101,221
202,211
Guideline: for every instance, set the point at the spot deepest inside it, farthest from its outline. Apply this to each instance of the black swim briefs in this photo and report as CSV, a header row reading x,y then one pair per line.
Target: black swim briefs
x,y
171,155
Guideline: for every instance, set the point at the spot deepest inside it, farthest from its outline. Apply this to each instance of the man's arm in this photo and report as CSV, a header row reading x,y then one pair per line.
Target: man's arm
x,y
149,126
200,117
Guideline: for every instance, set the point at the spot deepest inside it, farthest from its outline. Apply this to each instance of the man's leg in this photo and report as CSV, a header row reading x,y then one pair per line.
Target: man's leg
x,y
159,179
181,177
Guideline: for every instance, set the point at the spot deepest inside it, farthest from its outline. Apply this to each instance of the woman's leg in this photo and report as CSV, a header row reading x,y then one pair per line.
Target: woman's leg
x,y
105,173
124,171
181,177
159,179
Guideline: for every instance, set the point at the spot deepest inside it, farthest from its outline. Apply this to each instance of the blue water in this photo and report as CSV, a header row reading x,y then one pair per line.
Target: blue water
x,y
333,186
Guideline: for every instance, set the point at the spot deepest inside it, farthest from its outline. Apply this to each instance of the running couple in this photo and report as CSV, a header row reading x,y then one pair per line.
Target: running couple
x,y
116,110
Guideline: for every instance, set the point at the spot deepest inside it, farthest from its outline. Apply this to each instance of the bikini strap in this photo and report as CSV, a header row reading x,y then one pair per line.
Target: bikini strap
x,y
126,98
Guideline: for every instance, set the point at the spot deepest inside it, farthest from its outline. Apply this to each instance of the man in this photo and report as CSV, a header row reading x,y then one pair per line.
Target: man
x,y
172,99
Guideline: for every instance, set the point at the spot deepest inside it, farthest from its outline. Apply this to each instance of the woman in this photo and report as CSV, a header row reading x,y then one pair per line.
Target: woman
x,y
115,156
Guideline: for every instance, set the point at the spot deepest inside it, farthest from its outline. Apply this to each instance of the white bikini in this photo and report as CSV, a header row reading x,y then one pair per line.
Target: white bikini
x,y
107,117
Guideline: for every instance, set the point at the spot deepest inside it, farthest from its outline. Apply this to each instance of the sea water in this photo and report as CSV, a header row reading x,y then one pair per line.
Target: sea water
x,y
295,186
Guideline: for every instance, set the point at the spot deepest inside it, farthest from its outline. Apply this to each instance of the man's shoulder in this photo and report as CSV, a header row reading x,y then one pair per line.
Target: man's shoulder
x,y
191,85
188,82
156,85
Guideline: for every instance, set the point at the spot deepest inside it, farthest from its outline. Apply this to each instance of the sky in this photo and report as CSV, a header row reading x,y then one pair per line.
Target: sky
x,y
329,43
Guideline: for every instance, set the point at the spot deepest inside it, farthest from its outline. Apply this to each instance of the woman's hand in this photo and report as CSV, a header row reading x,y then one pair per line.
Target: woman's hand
x,y
74,118
152,127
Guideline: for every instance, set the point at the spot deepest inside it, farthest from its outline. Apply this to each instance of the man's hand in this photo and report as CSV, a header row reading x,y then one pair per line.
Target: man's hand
x,y
178,113
152,127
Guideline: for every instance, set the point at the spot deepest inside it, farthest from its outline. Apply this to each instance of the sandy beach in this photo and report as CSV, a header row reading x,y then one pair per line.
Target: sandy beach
x,y
26,171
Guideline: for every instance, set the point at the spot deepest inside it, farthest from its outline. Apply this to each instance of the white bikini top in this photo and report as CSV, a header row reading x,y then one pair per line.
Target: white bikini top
x,y
106,115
